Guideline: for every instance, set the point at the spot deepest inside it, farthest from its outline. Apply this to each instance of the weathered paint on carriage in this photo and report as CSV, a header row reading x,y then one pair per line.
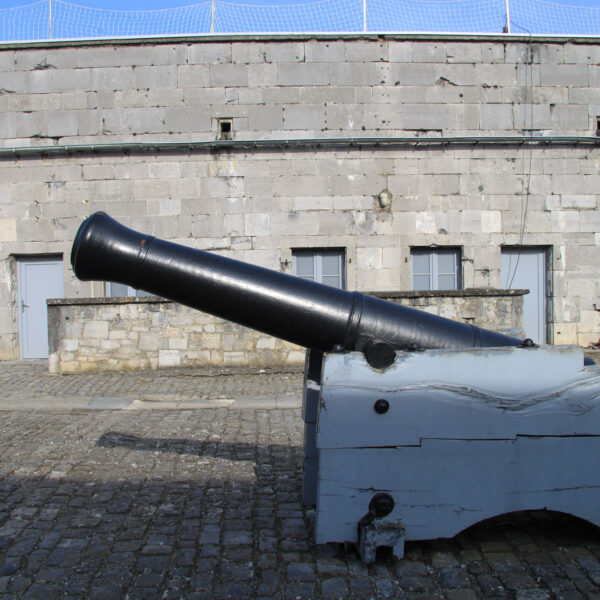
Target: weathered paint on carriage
x,y
468,435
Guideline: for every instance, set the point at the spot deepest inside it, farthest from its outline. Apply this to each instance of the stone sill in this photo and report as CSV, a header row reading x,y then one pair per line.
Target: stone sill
x,y
107,300
468,293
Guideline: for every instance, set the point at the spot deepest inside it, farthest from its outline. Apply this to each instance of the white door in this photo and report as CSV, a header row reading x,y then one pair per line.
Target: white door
x,y
39,278
526,268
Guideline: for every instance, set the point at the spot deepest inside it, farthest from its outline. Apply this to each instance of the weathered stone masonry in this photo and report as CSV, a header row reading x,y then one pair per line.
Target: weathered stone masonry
x,y
147,333
257,204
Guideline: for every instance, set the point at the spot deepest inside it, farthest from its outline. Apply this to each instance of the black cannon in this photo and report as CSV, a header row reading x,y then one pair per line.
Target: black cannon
x,y
309,314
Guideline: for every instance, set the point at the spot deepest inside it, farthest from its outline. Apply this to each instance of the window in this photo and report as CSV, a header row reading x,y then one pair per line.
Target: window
x,y
118,290
436,269
322,266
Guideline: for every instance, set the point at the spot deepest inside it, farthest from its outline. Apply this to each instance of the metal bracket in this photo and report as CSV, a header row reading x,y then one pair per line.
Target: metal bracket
x,y
374,532
378,533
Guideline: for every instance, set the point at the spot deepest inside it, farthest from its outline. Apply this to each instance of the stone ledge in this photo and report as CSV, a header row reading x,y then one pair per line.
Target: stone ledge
x,y
471,292
107,300
467,293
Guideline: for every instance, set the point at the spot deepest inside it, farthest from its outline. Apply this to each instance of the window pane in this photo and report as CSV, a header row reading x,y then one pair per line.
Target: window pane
x,y
420,263
447,262
332,280
117,290
446,282
305,266
330,264
421,282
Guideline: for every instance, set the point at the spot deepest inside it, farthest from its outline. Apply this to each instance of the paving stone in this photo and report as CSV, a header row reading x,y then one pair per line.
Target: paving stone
x,y
300,571
452,578
334,588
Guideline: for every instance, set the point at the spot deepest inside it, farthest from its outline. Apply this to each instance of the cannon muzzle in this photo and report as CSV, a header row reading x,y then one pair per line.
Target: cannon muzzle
x,y
309,314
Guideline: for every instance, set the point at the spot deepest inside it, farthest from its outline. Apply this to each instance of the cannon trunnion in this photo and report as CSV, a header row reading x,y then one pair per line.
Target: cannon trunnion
x,y
399,445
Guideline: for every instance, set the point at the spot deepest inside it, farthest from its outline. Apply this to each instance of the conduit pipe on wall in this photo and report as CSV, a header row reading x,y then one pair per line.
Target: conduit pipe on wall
x,y
382,142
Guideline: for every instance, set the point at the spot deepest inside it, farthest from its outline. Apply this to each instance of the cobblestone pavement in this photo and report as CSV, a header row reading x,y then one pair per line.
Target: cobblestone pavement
x,y
205,503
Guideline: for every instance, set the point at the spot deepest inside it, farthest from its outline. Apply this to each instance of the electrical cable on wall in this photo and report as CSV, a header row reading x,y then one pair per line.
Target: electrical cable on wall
x,y
526,180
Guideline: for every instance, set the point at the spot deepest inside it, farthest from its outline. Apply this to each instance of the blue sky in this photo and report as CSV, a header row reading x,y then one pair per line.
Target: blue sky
x,y
572,17
158,4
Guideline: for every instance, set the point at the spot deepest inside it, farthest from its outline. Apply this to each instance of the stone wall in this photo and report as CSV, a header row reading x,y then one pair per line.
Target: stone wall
x,y
259,203
140,333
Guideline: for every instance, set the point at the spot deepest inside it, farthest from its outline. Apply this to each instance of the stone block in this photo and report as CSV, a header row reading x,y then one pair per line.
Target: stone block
x,y
164,170
209,53
8,230
64,80
581,54
589,221
246,53
463,52
570,184
191,76
491,221
359,74
257,224
14,82
304,117
61,124
565,333
531,117
564,75
381,116
304,74
424,223
571,118
7,60
30,125
262,75
399,51
110,78
429,52
169,358
8,125
496,116
367,51
186,119
320,51
418,117
228,75
27,60
34,82
95,329
265,118
285,52
582,202
163,54
155,77
565,221
178,343
445,184
463,117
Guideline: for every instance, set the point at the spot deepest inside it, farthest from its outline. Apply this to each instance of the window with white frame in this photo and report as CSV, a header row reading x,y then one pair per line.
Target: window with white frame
x,y
321,265
436,268
119,290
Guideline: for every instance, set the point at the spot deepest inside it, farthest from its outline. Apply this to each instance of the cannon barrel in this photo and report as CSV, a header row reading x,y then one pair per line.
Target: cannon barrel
x,y
309,314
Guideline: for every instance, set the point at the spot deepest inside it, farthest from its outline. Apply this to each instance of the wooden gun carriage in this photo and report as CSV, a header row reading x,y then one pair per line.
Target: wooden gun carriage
x,y
416,426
